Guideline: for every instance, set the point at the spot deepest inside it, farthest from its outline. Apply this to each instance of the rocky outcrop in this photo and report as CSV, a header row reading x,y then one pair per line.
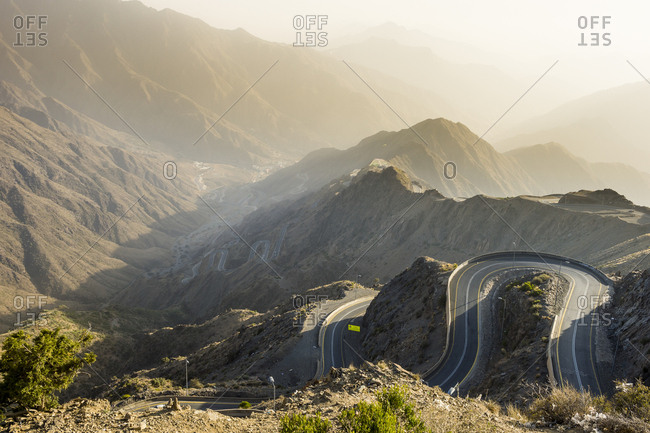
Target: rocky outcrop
x,y
628,321
406,322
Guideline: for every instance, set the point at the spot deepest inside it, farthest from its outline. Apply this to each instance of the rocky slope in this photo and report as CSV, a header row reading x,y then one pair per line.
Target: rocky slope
x,y
342,389
627,321
136,351
80,219
407,321
375,223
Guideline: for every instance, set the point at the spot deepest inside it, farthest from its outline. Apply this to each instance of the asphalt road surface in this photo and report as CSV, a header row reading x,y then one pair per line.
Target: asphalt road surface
x,y
571,347
334,351
571,350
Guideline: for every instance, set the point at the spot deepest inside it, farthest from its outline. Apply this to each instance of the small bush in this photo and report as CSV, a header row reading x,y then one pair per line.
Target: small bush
x,y
540,279
536,291
626,412
158,382
493,407
560,405
298,423
530,289
244,405
514,413
390,413
368,418
633,401
196,383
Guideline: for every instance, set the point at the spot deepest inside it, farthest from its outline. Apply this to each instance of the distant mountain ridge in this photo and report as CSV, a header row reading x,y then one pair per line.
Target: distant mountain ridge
x,y
373,224
173,78
556,170
609,125
449,157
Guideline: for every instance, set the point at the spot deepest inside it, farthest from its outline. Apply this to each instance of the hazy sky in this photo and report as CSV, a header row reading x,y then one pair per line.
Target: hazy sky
x,y
523,37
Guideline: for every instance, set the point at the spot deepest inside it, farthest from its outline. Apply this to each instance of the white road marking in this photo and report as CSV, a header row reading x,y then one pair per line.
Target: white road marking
x,y
334,331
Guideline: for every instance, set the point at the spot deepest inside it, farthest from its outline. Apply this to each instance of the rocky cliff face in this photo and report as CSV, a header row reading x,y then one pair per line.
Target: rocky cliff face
x,y
406,323
628,322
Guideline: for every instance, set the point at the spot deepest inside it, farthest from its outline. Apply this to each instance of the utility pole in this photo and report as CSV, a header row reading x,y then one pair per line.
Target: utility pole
x,y
273,383
186,379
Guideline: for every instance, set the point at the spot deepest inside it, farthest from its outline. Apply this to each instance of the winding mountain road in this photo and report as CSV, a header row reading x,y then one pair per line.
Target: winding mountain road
x,y
571,353
332,333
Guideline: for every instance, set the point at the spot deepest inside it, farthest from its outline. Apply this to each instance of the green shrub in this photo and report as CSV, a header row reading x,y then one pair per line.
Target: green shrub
x,y
539,279
389,414
368,418
158,382
632,400
298,423
244,405
536,291
527,287
35,368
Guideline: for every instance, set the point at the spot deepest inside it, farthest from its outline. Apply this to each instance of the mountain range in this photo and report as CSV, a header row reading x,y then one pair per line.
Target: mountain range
x,y
450,158
191,196
372,223
81,219
609,125
91,118
230,98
